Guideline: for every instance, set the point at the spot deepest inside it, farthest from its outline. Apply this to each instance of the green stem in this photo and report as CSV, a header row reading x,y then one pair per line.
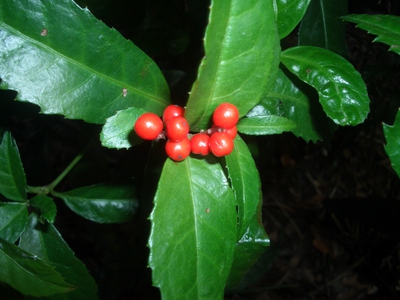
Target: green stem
x,y
48,188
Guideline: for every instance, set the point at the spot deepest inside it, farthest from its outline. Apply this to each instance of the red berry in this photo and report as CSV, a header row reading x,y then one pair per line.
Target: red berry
x,y
199,144
148,126
177,128
221,144
178,151
226,115
173,111
232,132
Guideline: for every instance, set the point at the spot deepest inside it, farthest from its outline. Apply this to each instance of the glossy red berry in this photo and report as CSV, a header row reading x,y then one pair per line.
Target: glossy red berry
x,y
232,132
226,115
199,144
220,144
148,126
178,151
177,128
173,111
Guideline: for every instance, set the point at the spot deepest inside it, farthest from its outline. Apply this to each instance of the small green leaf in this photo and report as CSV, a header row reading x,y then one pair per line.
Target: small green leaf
x,y
248,249
59,56
46,206
293,99
103,203
341,90
288,14
12,175
263,125
13,217
46,242
245,182
29,274
193,231
322,26
392,147
241,59
386,27
118,131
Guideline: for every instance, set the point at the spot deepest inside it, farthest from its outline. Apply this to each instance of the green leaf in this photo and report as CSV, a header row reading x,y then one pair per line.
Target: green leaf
x,y
386,27
118,131
241,59
12,175
46,242
288,14
392,147
13,217
60,57
322,26
248,249
263,125
46,206
103,203
29,274
293,99
341,90
193,232
245,182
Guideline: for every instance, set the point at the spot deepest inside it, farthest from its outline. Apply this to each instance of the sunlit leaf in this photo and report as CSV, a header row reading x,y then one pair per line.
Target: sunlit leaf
x,y
241,59
193,232
59,56
342,91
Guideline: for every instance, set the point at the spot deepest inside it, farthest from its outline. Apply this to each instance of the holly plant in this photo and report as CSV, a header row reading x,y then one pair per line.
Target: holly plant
x,y
203,207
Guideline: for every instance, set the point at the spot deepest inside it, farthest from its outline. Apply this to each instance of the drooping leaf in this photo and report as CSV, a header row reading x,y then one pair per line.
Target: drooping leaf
x,y
60,57
245,182
263,125
103,203
29,274
46,242
293,99
193,232
386,27
241,59
46,206
118,130
341,90
12,175
13,217
392,147
248,249
322,26
288,14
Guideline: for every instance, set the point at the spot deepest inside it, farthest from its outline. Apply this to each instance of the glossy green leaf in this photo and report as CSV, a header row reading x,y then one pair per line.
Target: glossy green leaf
x,y
322,26
118,131
293,99
241,59
248,249
386,27
288,14
245,182
12,175
341,90
193,231
103,203
13,217
60,57
29,274
263,125
45,242
392,147
46,206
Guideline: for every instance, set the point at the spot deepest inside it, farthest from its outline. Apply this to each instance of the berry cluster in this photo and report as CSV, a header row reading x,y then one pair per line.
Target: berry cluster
x,y
218,139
